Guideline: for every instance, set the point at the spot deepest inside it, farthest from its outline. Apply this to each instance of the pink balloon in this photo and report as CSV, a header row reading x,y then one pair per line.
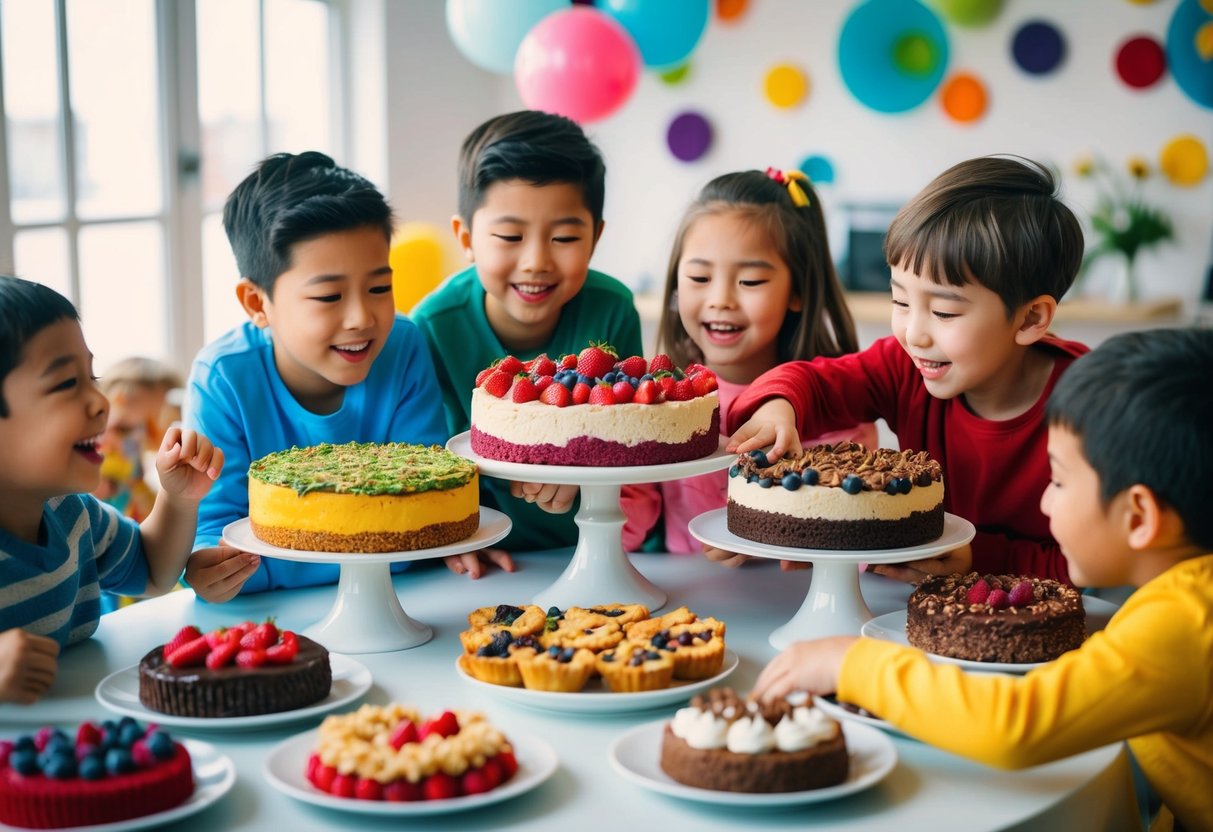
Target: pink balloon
x,y
578,63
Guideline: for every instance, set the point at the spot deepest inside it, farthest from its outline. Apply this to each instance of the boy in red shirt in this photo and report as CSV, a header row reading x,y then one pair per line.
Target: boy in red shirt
x,y
980,259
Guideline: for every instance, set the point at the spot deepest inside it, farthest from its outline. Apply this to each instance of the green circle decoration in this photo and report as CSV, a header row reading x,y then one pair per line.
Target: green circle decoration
x,y
972,13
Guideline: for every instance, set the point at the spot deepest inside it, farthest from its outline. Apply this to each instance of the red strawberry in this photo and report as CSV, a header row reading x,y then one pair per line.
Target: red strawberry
x,y
665,383
483,374
1022,594
704,383
661,361
492,772
439,786
603,394
556,395
542,383
695,369
325,775
250,658
187,633
191,654
510,365
262,636
568,362
596,360
978,592
285,651
623,392
473,781
343,785
222,654
524,390
647,392
446,724
999,599
634,366
541,365
367,789
498,384
88,734
313,765
581,393
509,764
216,637
683,390
402,791
405,732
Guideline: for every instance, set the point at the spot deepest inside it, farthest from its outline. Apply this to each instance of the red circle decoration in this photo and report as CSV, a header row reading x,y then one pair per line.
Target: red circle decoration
x,y
1141,61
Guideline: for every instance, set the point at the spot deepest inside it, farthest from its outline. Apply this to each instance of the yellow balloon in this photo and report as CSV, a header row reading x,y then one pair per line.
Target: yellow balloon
x,y
1184,160
420,259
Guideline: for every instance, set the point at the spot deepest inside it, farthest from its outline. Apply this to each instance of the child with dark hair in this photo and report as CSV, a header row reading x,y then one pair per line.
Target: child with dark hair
x,y
1130,446
531,190
324,357
59,545
980,259
750,285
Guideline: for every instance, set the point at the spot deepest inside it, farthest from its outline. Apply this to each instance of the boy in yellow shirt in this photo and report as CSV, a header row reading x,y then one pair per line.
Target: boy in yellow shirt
x,y
1130,450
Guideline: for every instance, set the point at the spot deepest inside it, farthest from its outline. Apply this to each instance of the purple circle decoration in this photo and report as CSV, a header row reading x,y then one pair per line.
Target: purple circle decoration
x,y
689,136
1038,47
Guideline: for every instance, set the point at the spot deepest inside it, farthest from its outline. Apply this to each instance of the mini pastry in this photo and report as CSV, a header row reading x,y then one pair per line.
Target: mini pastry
x,y
697,649
587,632
633,666
621,614
565,670
517,621
649,626
497,661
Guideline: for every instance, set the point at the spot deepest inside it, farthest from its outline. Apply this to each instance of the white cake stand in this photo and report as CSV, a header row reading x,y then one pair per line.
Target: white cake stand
x,y
834,605
600,571
367,617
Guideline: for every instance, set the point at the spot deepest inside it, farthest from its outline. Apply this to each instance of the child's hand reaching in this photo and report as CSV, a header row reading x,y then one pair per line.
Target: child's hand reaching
x,y
958,560
774,424
474,563
554,499
811,666
187,463
217,574
28,664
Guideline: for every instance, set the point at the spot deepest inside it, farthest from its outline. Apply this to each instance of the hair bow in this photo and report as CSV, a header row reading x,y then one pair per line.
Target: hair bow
x,y
791,180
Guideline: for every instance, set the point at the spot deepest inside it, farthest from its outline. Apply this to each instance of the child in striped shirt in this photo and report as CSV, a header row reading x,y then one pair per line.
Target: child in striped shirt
x,y
59,545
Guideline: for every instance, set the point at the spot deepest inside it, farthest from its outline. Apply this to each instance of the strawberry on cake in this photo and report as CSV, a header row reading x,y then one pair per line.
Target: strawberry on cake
x,y
594,409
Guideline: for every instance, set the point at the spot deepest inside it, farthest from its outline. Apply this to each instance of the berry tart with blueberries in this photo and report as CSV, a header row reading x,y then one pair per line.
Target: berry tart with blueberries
x,y
110,772
595,408
244,670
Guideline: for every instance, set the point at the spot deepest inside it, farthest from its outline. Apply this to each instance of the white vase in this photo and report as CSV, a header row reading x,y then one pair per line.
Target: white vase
x,y
1123,288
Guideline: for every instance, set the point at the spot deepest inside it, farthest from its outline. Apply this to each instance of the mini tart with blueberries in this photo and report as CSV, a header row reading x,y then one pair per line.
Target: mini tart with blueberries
x,y
633,666
564,670
621,614
650,626
585,632
497,661
697,649
486,622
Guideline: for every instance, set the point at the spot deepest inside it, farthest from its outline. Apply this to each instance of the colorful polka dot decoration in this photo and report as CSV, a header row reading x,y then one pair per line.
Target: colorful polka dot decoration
x,y
892,54
1190,49
1140,62
677,75
964,97
689,136
972,13
1038,47
1184,160
731,11
819,169
785,86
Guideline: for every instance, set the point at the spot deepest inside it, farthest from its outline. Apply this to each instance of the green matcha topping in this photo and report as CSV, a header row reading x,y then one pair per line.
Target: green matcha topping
x,y
364,468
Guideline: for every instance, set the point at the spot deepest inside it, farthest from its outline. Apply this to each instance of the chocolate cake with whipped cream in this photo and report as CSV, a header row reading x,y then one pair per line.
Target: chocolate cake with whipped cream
x,y
725,743
842,496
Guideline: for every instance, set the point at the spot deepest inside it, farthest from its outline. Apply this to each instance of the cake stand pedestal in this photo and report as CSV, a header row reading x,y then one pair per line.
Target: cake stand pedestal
x,y
366,616
834,605
600,571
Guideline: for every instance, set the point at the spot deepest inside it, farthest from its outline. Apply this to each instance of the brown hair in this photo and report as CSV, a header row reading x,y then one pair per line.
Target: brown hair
x,y
996,221
823,326
138,373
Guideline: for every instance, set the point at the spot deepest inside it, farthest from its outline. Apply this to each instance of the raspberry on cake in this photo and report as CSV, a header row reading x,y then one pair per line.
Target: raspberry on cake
x,y
594,410
107,773
244,670
363,497
842,496
724,743
1012,619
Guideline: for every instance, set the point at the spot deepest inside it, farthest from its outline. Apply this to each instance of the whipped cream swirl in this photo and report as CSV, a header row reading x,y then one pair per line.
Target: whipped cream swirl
x,y
803,728
699,729
750,735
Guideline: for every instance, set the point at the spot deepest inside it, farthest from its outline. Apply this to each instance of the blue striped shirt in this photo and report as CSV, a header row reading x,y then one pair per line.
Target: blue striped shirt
x,y
53,588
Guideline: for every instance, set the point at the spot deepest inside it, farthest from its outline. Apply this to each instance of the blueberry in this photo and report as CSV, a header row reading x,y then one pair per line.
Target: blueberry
x,y
810,476
610,377
568,382
84,750
584,379
632,380
652,655
128,735
734,470
791,481
25,743
486,651
126,720
751,478
118,761
91,768
567,655
60,767
893,486
765,482
904,485
59,743
852,484
685,638
647,377
161,745
760,457
109,727
24,760
608,657
659,640
554,612
506,614
553,651
636,661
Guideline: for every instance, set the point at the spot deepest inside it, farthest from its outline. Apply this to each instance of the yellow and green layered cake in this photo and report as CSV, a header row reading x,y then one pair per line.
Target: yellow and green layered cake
x,y
363,497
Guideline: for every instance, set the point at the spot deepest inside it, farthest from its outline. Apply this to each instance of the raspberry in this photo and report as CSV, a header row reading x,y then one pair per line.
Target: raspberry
x,y
405,732
999,599
509,764
343,785
446,724
439,786
368,789
978,593
1022,594
402,791
474,781
325,775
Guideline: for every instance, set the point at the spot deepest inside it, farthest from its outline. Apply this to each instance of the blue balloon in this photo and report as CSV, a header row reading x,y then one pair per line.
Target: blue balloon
x,y
488,32
667,31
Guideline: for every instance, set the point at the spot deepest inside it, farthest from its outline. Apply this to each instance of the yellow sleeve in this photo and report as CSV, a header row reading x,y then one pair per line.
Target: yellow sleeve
x,y
1149,671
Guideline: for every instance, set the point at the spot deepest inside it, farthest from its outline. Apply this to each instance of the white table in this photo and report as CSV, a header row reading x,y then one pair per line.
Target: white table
x,y
929,789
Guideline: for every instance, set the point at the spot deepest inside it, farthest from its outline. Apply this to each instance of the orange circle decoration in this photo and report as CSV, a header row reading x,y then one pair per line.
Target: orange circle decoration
x,y
964,97
1204,41
730,11
785,86
1184,160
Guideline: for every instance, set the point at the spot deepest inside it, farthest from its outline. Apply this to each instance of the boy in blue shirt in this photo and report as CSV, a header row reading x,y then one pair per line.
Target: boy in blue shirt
x,y
531,191
59,545
323,357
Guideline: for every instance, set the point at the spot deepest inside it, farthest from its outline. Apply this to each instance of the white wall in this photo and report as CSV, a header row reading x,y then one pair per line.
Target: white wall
x,y
435,97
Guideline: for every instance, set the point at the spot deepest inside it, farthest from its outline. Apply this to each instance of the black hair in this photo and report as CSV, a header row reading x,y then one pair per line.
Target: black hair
x,y
996,221
26,308
1140,404
290,198
538,148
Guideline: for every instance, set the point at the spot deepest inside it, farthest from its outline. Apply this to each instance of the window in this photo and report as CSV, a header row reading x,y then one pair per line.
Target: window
x,y
171,103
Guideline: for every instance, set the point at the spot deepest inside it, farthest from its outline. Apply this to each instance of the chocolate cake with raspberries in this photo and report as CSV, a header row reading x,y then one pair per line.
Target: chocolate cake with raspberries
x,y
1009,619
595,409
724,743
841,496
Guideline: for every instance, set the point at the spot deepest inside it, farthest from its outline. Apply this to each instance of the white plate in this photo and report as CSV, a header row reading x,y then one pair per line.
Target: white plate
x,y
120,692
831,707
712,528
214,776
493,526
597,699
892,627
636,757
461,444
285,769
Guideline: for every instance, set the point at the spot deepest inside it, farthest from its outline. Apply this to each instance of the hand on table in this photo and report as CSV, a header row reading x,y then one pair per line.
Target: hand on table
x,y
733,560
958,560
811,666
218,573
474,563
28,664
554,499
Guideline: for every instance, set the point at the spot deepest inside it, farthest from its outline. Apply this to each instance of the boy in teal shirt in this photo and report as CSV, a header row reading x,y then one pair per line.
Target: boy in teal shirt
x,y
531,188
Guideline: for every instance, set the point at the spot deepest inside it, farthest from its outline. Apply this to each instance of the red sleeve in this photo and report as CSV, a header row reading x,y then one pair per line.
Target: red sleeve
x,y
996,554
641,506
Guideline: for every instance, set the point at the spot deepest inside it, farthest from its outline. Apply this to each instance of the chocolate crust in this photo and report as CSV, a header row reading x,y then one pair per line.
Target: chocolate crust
x,y
822,765
438,534
235,691
784,530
